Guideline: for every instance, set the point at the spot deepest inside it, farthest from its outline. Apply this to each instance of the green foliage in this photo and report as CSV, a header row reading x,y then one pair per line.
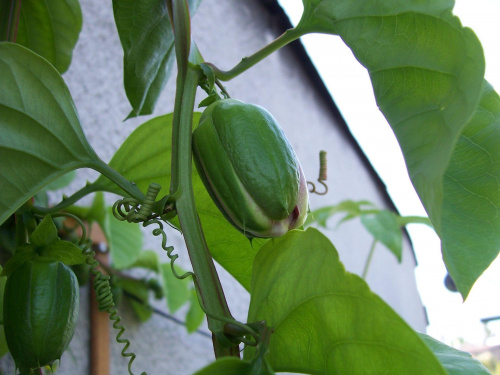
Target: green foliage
x,y
148,48
195,315
50,29
326,319
37,117
3,343
384,227
140,291
470,238
144,159
176,291
232,366
427,74
45,243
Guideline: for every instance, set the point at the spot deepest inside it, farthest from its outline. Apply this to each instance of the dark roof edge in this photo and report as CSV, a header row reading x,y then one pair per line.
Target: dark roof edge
x,y
282,23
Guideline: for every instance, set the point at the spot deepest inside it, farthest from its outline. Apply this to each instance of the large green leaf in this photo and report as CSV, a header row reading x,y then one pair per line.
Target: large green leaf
x,y
51,29
454,361
471,237
427,73
40,133
145,157
326,320
148,48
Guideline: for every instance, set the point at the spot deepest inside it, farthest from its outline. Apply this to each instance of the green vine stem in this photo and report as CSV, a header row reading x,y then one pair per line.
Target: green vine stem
x,y
247,62
128,187
207,281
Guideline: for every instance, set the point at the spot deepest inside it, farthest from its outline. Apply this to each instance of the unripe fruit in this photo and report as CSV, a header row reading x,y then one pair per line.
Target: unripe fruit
x,y
40,312
250,169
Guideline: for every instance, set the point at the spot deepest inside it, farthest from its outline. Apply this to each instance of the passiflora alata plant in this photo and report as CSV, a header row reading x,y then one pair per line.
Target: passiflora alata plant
x,y
306,314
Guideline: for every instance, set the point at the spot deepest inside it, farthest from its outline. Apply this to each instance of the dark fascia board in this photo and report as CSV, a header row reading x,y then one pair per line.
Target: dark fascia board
x,y
281,23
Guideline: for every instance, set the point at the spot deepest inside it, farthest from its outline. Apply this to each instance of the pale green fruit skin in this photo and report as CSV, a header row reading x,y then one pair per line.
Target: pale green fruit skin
x,y
250,169
40,312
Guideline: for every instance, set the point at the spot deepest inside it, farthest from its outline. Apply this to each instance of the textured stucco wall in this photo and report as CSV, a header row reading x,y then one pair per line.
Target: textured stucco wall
x,y
225,31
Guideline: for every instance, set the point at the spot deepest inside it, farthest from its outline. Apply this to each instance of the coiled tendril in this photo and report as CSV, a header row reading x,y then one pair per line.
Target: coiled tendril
x,y
131,210
103,291
322,175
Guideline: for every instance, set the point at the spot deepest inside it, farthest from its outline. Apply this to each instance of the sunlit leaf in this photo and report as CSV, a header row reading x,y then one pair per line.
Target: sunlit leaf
x,y
148,48
326,320
41,137
471,239
456,362
352,209
427,75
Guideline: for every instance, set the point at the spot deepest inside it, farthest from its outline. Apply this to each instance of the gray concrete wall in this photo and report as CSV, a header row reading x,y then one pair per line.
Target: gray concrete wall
x,y
225,31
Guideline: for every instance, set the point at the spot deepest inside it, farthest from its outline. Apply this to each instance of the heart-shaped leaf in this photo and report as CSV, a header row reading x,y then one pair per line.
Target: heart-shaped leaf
x,y
41,137
427,75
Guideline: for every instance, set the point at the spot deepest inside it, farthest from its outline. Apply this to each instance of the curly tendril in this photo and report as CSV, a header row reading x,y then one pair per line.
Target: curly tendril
x,y
133,211
102,290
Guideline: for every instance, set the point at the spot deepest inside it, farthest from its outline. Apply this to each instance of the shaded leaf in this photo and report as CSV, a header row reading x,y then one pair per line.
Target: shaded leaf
x,y
3,343
145,157
351,208
148,259
62,181
97,211
23,254
456,362
326,320
470,240
195,315
124,241
148,48
427,75
41,137
138,289
45,233
50,29
176,291
385,228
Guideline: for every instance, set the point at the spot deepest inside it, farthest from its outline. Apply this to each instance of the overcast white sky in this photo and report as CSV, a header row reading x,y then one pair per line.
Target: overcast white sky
x,y
349,84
